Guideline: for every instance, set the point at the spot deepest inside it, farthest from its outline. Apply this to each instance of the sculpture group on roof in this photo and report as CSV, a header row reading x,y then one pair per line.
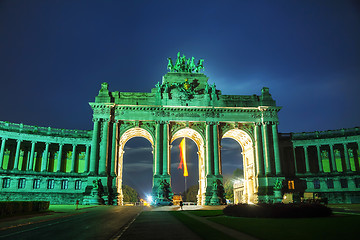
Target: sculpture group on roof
x,y
185,65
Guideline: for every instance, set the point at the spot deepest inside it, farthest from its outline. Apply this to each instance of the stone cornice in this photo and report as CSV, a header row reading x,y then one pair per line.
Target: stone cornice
x,y
44,138
325,141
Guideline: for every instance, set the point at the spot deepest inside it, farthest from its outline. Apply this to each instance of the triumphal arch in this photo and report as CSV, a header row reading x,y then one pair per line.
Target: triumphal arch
x,y
184,104
63,165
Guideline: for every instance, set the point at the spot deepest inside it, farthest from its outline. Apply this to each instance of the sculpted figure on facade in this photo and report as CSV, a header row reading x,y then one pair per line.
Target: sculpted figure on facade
x,y
185,65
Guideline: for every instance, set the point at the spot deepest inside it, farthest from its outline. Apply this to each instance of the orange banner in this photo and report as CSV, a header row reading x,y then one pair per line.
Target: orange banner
x,y
182,164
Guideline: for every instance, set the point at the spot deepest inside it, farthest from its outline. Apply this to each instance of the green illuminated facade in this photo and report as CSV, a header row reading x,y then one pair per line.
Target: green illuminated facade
x,y
64,165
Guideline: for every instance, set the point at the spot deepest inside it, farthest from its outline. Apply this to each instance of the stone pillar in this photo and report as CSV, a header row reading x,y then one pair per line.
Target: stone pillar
x,y
87,155
347,160
276,149
307,165
266,149
208,150
157,149
319,158
94,147
32,155
17,154
25,161
2,151
104,144
333,163
73,158
259,156
44,159
113,149
295,165
165,149
216,149
58,167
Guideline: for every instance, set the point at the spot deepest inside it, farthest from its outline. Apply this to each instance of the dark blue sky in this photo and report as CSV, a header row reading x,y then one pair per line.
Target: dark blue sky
x,y
55,54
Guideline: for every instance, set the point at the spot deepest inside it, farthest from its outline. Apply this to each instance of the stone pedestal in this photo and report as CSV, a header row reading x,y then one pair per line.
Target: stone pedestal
x,y
93,199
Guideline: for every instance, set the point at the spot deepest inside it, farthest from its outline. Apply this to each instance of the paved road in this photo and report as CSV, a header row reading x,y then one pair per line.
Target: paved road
x,y
100,223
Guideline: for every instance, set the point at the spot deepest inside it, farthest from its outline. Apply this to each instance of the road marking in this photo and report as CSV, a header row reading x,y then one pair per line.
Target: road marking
x,y
122,231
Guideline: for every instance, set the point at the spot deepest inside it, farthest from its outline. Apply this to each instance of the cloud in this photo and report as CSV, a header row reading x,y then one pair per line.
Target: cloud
x,y
176,164
137,149
227,145
137,166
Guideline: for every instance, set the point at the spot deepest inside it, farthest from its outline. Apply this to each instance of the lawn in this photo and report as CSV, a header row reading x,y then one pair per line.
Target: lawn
x,y
335,227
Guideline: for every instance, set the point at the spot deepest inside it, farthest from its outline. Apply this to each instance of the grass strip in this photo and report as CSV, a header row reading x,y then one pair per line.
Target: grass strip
x,y
201,229
329,228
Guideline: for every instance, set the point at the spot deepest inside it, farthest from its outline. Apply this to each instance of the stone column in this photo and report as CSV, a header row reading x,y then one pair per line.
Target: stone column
x,y
87,155
165,149
333,163
347,160
32,155
319,158
157,149
276,149
44,159
2,151
94,147
307,165
266,148
259,156
113,149
25,161
73,158
104,144
295,165
208,150
17,154
216,149
58,167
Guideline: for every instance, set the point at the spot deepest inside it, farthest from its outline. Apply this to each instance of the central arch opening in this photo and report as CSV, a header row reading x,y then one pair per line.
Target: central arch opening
x,y
185,186
200,155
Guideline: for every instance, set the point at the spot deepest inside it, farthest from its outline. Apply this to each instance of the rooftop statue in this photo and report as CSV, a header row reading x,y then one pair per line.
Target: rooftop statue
x,y
185,65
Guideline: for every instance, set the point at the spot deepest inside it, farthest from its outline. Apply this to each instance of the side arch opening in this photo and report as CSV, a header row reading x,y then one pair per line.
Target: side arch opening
x,y
135,143
247,185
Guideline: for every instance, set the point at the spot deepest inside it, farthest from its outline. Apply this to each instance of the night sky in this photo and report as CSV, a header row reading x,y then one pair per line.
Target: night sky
x,y
55,54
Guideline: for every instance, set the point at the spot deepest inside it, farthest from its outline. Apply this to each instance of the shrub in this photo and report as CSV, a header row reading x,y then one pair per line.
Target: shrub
x,y
12,208
278,210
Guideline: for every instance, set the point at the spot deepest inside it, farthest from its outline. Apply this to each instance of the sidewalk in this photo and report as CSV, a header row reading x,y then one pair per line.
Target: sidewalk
x,y
157,223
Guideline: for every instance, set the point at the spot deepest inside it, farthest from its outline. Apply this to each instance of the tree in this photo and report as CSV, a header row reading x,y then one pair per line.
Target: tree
x,y
130,194
191,193
229,183
229,190
238,172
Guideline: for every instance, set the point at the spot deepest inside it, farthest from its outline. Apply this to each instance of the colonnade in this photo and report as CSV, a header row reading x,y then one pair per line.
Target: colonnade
x,y
341,149
42,156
